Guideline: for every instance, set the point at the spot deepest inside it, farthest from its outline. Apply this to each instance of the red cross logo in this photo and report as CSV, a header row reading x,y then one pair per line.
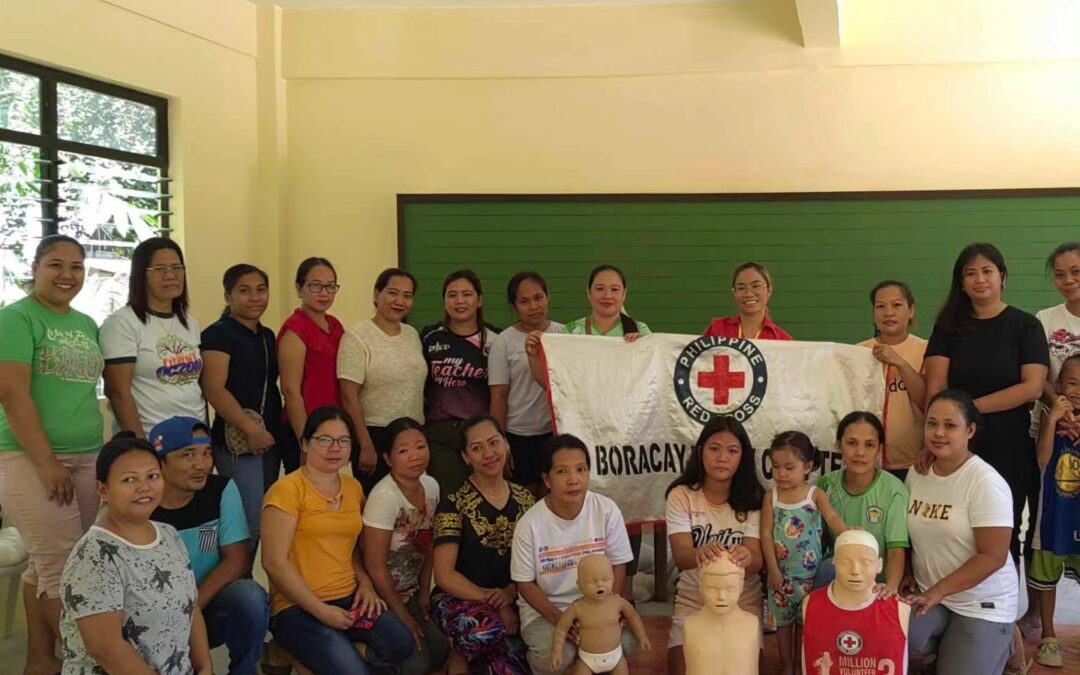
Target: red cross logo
x,y
721,380
850,642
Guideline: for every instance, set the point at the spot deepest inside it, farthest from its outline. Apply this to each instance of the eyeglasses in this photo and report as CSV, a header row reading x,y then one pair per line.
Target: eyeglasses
x,y
316,287
162,270
326,442
756,288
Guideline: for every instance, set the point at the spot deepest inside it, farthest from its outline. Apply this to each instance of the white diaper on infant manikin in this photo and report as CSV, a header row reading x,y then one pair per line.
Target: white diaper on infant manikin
x,y
601,663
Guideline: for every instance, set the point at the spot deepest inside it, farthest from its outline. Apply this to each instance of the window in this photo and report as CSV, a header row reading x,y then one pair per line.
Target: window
x,y
82,158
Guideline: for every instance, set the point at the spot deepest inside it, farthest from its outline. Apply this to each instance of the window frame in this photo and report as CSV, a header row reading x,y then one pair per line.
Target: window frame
x,y
50,144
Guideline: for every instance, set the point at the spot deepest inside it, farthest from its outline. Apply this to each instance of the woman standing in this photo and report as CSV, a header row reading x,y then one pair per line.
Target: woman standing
x,y
398,517
473,601
321,598
905,392
151,345
307,349
607,296
518,402
456,350
50,431
714,506
964,589
751,284
130,599
239,379
1061,323
381,372
997,354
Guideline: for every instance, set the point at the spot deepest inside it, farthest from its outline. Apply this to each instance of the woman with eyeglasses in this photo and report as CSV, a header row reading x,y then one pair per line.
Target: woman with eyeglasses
x,y
151,345
322,601
307,347
751,284
381,371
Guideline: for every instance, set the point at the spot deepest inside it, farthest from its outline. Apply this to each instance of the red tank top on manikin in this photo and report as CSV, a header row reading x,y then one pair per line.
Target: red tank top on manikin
x,y
867,641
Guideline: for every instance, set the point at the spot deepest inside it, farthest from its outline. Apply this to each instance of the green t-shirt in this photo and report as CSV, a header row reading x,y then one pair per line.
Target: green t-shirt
x,y
577,327
65,364
881,510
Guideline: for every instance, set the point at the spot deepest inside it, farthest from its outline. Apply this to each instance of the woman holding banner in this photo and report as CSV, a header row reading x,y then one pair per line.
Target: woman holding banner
x,y
751,284
905,392
997,354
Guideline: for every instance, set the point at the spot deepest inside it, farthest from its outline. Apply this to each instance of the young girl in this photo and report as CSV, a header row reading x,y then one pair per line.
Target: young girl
x,y
714,506
867,497
791,536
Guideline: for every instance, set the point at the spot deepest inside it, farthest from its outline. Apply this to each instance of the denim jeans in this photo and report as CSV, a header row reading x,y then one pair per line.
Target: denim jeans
x,y
253,475
327,650
238,618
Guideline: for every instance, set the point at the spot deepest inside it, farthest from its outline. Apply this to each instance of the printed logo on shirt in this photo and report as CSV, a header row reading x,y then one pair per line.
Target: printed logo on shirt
x,y
849,642
71,356
703,534
453,372
554,560
874,515
180,362
1063,344
720,376
1067,475
929,511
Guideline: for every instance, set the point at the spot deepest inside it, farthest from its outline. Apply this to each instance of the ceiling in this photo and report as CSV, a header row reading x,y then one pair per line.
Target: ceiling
x,y
384,4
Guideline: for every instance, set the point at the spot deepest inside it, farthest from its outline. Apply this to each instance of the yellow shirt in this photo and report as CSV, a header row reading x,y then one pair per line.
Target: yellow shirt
x,y
903,422
326,535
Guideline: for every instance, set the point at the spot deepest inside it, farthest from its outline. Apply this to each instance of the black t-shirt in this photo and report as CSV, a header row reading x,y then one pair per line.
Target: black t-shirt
x,y
251,367
484,534
986,359
457,382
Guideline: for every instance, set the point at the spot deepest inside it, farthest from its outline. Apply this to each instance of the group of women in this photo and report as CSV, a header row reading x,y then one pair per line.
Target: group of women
x,y
410,556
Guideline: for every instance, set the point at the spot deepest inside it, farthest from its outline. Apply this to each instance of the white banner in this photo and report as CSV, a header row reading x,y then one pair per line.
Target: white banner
x,y
640,406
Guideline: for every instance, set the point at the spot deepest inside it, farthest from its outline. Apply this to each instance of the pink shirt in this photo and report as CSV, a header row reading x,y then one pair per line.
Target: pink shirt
x,y
319,386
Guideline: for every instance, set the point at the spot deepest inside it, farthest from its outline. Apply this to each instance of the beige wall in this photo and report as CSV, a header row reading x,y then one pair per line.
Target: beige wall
x,y
293,131
201,54
672,98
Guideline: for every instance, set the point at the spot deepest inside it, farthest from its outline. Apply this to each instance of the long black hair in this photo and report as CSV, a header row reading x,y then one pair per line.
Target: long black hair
x,y
746,493
628,323
234,274
956,315
139,286
474,281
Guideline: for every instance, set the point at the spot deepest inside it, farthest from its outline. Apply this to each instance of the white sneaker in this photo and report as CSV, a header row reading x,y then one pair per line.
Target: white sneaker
x,y
1049,654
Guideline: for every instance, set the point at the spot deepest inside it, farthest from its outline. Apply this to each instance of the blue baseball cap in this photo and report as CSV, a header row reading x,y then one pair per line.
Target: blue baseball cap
x,y
177,433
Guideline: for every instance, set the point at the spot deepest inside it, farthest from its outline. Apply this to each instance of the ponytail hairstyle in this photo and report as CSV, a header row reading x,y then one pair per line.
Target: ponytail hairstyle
x,y
309,264
801,444
857,417
956,314
905,290
474,281
1062,249
760,268
233,276
395,429
962,401
746,493
628,324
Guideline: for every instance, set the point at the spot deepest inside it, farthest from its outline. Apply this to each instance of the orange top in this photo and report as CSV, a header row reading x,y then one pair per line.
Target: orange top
x,y
327,529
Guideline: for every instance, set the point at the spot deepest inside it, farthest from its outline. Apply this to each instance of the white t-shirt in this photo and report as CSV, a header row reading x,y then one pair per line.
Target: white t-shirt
x,y
167,361
527,412
547,549
942,513
387,508
690,512
390,368
1063,338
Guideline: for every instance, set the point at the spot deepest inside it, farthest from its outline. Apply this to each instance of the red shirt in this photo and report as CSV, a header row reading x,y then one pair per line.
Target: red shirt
x,y
729,327
867,640
319,386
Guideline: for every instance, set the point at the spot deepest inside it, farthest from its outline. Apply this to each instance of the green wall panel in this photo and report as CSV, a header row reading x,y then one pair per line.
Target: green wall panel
x,y
825,254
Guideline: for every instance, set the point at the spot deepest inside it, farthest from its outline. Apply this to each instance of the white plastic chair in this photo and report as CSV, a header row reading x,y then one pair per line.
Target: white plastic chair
x,y
13,561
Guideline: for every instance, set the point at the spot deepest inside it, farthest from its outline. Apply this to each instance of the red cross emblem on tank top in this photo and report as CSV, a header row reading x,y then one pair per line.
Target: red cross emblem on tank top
x,y
849,642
